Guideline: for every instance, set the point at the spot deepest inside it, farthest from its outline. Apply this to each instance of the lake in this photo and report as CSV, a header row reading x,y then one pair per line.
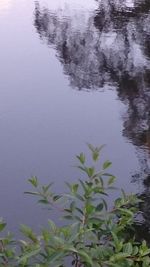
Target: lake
x,y
72,72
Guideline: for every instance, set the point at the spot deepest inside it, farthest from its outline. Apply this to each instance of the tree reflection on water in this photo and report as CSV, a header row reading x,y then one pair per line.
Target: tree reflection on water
x,y
109,48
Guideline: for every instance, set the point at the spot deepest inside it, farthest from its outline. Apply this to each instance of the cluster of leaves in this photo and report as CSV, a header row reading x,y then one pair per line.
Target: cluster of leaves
x,y
94,233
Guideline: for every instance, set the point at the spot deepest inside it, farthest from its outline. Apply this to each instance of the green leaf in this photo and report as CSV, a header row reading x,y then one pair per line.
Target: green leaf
x,y
79,210
90,171
101,180
90,208
56,197
127,248
72,206
91,147
32,193
43,201
59,241
55,256
95,155
81,158
74,229
115,238
34,181
126,212
46,188
68,210
27,231
145,253
146,262
75,188
119,256
86,257
95,221
111,180
135,250
29,255
107,164
123,193
2,226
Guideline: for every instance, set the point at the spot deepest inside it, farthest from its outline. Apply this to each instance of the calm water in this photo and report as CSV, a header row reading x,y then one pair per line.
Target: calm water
x,y
72,72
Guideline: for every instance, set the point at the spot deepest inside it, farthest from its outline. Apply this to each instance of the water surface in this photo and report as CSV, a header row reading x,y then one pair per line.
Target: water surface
x,y
72,73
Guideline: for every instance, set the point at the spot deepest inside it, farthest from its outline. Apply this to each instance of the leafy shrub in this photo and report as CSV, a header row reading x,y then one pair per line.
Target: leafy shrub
x,y
93,234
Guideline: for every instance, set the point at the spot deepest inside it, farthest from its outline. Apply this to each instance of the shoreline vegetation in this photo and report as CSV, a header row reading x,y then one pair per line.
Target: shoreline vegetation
x,y
93,233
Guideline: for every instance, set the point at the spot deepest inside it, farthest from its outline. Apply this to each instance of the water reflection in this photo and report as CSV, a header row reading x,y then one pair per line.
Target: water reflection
x,y
109,46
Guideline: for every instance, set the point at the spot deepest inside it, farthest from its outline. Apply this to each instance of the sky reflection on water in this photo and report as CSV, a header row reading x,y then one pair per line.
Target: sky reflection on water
x,y
72,73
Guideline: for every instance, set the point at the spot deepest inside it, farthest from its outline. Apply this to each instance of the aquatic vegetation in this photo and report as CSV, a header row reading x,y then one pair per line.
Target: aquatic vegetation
x,y
94,231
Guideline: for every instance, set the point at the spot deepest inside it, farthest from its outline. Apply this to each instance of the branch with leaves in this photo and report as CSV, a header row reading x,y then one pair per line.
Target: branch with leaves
x,y
94,233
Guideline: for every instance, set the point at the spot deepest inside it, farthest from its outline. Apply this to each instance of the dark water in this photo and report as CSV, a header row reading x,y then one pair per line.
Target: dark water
x,y
72,72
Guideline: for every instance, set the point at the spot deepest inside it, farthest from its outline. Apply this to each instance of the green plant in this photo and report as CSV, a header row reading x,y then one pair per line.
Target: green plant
x,y
93,234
